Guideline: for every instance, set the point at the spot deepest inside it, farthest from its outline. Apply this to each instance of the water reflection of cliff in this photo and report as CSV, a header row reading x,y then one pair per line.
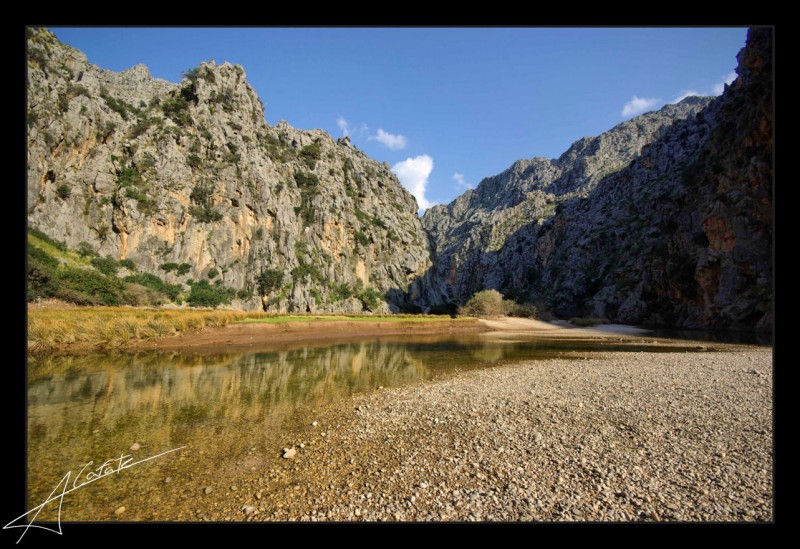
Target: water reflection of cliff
x,y
155,390
219,406
221,403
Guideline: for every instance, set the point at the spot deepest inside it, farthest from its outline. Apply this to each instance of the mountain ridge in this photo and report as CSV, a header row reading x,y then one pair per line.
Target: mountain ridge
x,y
630,245
481,219
665,219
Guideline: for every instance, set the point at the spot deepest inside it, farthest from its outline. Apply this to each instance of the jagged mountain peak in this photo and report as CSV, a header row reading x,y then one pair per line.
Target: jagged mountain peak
x,y
190,173
482,218
665,219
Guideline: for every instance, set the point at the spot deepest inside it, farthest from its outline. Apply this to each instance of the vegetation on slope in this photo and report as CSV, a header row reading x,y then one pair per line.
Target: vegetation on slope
x,y
82,277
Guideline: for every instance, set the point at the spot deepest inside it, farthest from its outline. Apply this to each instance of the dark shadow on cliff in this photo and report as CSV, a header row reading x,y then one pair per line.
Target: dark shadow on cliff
x,y
681,237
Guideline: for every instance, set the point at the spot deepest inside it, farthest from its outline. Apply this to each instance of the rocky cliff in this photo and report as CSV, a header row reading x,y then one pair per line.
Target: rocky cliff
x,y
189,182
664,220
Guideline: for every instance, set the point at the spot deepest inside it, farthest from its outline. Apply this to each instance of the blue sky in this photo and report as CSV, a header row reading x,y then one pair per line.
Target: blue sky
x,y
445,107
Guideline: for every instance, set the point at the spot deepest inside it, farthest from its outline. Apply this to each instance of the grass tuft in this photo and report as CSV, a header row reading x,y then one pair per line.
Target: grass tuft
x,y
50,330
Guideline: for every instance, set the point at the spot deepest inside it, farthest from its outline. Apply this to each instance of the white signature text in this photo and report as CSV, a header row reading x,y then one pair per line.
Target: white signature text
x,y
84,477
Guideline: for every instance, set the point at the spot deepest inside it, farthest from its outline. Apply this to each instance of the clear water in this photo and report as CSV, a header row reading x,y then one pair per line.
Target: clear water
x,y
237,407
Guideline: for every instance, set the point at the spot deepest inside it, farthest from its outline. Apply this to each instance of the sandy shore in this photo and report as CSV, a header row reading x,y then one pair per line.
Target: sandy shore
x,y
608,437
253,336
560,329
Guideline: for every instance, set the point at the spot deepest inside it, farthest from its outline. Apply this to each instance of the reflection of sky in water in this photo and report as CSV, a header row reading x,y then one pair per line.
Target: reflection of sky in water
x,y
219,406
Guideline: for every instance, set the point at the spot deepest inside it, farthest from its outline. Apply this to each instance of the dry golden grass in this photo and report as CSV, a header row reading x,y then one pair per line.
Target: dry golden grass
x,y
50,329
110,327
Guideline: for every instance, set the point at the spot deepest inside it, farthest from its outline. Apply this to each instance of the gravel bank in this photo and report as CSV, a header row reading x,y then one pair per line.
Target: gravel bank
x,y
612,437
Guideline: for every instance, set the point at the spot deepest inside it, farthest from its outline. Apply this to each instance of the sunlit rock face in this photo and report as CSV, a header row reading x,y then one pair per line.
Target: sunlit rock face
x,y
156,172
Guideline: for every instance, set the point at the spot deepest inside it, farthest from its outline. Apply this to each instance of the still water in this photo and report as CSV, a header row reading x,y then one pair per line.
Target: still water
x,y
234,408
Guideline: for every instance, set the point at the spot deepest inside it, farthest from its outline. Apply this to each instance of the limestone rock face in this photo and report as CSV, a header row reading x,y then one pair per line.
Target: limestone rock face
x,y
157,172
470,234
664,220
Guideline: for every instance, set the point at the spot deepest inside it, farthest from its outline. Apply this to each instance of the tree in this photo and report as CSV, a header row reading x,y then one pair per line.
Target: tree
x,y
486,303
269,280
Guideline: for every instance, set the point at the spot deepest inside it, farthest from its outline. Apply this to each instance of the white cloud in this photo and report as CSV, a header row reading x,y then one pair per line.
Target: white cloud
x,y
459,179
343,125
351,131
392,141
720,87
638,105
413,174
684,95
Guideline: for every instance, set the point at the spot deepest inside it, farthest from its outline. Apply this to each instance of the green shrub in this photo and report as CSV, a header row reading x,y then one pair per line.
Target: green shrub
x,y
225,97
310,154
85,249
38,56
86,286
231,156
304,271
128,264
192,74
204,294
205,214
485,304
269,280
340,292
42,269
49,138
170,266
317,296
311,151
130,181
177,106
39,255
143,202
105,130
74,90
183,268
306,180
118,106
154,283
57,244
370,299
106,265
362,238
194,162
203,210
522,310
63,192
213,272
244,294
362,216
306,213
141,126
128,176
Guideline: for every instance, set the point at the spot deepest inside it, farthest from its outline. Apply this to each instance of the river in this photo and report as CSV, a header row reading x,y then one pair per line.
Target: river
x,y
234,409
